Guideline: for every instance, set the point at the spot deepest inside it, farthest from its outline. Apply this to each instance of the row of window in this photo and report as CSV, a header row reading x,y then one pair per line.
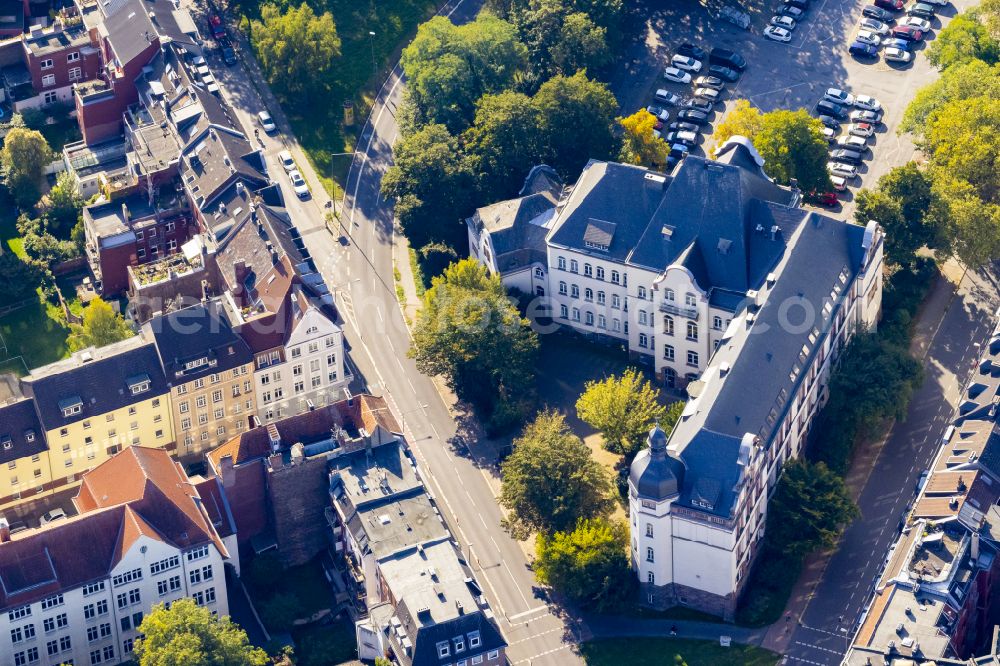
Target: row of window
x,y
214,378
109,417
588,318
48,63
590,271
444,647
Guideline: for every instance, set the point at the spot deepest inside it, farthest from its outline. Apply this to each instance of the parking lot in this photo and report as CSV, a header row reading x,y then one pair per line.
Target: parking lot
x,y
787,75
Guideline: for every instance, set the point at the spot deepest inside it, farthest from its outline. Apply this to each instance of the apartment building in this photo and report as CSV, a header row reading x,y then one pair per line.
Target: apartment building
x,y
76,591
57,58
209,371
713,277
23,449
91,406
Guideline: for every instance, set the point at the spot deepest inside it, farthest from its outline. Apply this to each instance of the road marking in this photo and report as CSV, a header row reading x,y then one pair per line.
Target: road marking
x,y
532,611
816,647
528,660
822,631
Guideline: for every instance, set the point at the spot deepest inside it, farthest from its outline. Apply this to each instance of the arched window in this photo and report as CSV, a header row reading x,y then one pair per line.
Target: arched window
x,y
668,294
668,324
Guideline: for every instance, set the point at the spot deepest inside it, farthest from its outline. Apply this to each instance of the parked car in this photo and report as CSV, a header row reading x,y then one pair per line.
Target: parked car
x,y
838,96
921,10
707,94
686,63
829,134
845,170
667,97
854,142
907,32
847,156
216,27
678,150
896,43
698,105
228,55
777,34
52,516
786,22
828,108
724,73
864,130
287,161
937,3
677,126
727,58
827,199
868,37
868,103
865,116
692,51
874,25
890,5
877,13
709,82
693,116
266,122
893,54
687,138
861,50
298,184
801,4
916,22
659,112
839,183
676,75
829,121
792,12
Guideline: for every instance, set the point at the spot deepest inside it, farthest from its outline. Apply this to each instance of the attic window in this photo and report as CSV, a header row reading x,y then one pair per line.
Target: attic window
x,y
724,245
138,384
29,435
71,406
598,235
197,363
667,231
7,443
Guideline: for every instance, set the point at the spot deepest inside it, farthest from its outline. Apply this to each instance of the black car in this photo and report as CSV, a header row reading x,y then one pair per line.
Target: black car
x,y
846,155
830,121
724,73
692,116
229,55
690,50
828,108
871,11
726,58
801,4
922,10
683,127
698,105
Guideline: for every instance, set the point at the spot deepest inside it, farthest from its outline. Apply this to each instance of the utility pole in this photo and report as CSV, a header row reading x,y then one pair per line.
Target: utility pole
x,y
371,38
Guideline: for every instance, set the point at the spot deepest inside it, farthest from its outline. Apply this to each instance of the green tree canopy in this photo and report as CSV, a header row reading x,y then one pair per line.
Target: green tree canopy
x,y
577,122
742,120
297,49
18,279
504,143
469,332
589,564
965,38
449,67
962,140
965,81
24,155
188,634
809,509
639,144
550,481
970,227
433,184
793,146
622,408
62,205
101,326
560,39
900,204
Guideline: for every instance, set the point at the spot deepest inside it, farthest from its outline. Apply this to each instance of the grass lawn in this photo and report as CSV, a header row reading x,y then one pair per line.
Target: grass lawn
x,y
320,645
319,126
9,237
32,334
308,583
64,130
670,651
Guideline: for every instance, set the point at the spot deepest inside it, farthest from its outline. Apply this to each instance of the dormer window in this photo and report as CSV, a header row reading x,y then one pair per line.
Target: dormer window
x,y
6,442
459,644
138,384
197,363
71,406
29,435
474,640
443,649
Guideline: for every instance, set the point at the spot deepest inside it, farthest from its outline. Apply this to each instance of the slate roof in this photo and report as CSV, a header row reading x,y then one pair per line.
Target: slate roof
x,y
101,385
19,421
129,31
214,160
989,460
192,333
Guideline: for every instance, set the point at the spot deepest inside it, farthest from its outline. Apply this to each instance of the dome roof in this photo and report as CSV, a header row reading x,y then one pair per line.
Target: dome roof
x,y
655,474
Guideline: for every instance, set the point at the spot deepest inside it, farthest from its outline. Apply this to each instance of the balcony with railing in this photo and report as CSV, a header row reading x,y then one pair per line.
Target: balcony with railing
x,y
672,308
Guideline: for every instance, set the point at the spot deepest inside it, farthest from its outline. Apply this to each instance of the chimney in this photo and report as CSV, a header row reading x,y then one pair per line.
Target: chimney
x,y
240,270
274,437
275,461
974,553
204,291
228,471
298,452
4,530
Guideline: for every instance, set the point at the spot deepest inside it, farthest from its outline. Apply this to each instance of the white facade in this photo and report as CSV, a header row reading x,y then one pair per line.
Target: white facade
x,y
97,623
308,369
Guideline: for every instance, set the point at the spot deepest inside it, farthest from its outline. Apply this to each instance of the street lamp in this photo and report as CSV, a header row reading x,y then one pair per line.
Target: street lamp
x,y
371,38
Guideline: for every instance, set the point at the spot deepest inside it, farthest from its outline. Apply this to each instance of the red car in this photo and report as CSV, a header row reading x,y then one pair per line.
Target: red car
x,y
827,199
891,5
215,23
907,32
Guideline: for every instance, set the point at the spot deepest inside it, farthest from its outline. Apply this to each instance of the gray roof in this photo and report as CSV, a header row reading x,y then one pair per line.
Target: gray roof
x,y
654,474
21,432
99,385
129,31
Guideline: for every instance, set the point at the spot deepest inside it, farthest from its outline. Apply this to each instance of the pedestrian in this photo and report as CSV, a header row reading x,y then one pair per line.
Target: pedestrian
x,y
673,630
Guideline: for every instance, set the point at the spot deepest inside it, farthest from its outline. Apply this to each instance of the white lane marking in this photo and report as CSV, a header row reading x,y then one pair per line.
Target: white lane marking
x,y
530,659
532,611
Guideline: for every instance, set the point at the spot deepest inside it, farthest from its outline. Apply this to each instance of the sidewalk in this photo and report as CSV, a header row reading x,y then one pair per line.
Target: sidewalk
x,y
411,302
927,323
617,626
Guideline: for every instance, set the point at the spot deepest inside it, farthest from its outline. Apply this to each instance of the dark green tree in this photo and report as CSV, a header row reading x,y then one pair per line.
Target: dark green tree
x,y
297,49
965,38
189,634
18,279
900,203
62,205
503,143
809,509
578,118
551,481
792,145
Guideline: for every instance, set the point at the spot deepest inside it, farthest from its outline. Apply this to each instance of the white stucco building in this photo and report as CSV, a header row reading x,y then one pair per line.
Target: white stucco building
x,y
714,277
76,590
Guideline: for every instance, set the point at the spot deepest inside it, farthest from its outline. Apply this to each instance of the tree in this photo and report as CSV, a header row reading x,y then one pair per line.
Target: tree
x,y
503,142
639,145
793,146
964,81
18,279
970,226
550,481
962,141
188,634
62,205
449,67
432,182
24,155
742,120
469,332
297,49
560,40
577,122
581,45
622,408
809,509
900,204
101,326
589,564
965,38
